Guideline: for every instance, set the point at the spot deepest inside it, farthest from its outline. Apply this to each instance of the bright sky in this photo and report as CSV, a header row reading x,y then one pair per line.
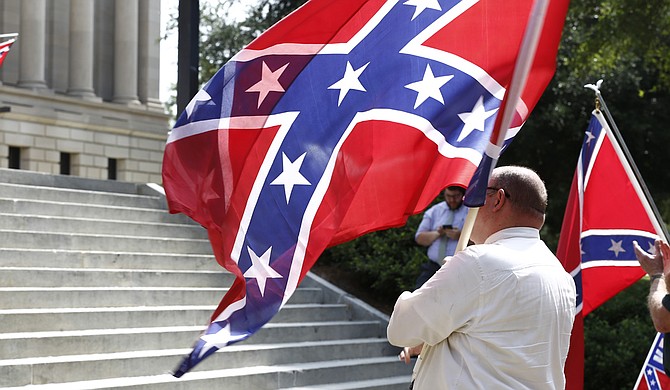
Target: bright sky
x,y
168,67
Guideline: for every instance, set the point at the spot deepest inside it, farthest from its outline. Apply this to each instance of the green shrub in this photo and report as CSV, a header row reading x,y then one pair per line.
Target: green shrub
x,y
387,261
617,337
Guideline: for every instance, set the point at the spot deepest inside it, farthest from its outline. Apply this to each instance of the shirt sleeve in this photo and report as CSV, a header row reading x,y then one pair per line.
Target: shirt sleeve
x,y
447,302
426,222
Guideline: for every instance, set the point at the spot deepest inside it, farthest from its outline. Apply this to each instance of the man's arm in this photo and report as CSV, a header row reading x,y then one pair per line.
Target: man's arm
x,y
425,235
428,237
658,268
660,312
443,304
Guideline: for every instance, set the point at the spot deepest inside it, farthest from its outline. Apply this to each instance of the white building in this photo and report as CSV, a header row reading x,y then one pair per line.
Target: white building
x,y
81,83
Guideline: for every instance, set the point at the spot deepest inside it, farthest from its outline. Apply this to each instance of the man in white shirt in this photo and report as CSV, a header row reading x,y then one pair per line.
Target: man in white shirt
x,y
497,315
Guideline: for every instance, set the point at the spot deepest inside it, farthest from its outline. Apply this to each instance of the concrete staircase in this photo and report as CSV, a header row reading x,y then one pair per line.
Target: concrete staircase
x,y
100,287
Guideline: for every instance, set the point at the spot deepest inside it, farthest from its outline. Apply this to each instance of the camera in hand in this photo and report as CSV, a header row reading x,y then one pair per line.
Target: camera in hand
x,y
447,227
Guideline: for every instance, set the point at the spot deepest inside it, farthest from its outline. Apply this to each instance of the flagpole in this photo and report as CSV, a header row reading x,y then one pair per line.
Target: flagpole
x,y
522,67
629,157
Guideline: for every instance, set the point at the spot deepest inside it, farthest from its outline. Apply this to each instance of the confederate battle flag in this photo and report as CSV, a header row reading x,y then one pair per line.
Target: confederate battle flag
x,y
606,211
344,118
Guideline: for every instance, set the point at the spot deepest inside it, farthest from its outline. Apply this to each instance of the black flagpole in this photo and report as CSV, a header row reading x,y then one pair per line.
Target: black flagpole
x,y
629,157
188,52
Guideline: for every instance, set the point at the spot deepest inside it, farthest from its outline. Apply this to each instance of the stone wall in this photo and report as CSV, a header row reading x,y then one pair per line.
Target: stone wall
x,y
42,126
79,89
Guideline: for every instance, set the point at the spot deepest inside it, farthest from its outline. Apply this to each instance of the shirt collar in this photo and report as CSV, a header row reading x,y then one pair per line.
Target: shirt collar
x,y
514,232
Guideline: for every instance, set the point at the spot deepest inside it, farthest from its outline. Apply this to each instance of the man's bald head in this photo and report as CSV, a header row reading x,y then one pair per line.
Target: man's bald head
x,y
516,197
527,192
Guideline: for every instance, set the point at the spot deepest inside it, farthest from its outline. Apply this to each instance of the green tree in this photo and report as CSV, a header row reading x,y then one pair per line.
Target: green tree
x,y
221,36
626,43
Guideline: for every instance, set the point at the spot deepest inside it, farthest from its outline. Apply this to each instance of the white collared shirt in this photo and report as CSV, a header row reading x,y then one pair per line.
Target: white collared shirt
x,y
495,316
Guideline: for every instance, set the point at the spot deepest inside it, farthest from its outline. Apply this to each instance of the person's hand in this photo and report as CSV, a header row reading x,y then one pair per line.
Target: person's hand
x,y
404,355
453,233
407,353
665,253
652,263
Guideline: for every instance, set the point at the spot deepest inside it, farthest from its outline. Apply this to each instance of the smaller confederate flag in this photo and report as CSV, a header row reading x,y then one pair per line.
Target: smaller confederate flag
x,y
652,376
606,211
4,48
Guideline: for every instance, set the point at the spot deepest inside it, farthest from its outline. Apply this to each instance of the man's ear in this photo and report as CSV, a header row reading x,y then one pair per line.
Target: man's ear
x,y
499,201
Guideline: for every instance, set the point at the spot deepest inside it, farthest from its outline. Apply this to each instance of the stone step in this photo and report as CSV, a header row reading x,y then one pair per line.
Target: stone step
x,y
100,287
62,225
51,370
280,376
17,176
64,258
390,383
83,210
81,297
95,277
62,319
285,376
93,341
69,195
88,242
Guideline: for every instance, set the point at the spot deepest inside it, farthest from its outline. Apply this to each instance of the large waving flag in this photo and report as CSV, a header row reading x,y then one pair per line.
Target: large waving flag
x,y
652,376
345,117
607,210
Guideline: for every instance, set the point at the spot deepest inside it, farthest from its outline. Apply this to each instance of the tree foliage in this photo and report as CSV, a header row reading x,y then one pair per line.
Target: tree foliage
x,y
627,44
221,36
617,337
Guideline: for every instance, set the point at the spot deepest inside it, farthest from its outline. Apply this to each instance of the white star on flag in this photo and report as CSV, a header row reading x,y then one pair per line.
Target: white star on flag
x,y
201,96
589,137
269,83
421,6
429,87
260,269
616,247
218,340
291,175
475,119
349,81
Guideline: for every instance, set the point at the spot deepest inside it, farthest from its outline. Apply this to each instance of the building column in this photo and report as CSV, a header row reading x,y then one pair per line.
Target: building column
x,y
80,71
149,54
126,17
32,41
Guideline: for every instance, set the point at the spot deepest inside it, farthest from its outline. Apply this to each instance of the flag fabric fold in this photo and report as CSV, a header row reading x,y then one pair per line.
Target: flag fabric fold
x,y
606,211
344,118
